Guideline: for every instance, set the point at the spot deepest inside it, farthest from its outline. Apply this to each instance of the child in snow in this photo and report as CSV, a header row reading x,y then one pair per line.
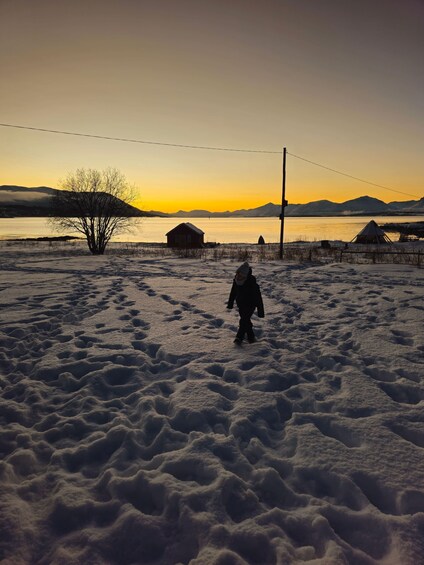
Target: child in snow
x,y
246,292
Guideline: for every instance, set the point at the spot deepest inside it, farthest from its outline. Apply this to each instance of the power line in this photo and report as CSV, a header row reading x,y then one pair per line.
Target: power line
x,y
351,176
143,141
204,147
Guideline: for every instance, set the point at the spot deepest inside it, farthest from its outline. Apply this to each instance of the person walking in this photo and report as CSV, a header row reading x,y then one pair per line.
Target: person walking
x,y
246,293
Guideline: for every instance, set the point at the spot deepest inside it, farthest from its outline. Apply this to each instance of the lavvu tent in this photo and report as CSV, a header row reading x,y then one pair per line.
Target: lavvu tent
x,y
371,233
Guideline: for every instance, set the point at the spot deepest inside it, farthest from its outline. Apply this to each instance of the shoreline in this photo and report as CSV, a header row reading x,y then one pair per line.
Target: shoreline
x,y
401,254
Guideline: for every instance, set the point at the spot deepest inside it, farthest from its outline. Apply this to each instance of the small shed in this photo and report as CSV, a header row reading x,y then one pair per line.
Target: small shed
x,y
185,235
371,233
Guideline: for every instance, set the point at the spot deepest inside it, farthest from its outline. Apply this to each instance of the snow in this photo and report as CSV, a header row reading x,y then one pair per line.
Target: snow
x,y
134,431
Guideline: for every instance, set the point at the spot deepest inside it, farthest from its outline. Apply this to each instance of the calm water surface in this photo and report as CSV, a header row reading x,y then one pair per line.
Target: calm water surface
x,y
222,230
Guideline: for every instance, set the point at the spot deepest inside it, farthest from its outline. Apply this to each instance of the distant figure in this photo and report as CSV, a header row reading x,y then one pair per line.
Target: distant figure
x,y
261,240
247,294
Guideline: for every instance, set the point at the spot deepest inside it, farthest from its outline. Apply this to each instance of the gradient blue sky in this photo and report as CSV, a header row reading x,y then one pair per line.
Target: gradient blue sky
x,y
339,82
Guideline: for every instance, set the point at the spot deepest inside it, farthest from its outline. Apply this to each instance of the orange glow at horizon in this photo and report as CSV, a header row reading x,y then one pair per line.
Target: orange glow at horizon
x,y
164,196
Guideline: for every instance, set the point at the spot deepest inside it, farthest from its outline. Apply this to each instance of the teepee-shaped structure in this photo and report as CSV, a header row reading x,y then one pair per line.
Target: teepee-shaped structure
x,y
371,233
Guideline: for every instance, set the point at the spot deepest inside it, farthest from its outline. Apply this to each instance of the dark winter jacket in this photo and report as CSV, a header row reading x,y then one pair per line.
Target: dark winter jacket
x,y
247,296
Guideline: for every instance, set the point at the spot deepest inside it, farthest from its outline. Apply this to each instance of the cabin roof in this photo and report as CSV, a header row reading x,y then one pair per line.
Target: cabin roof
x,y
188,225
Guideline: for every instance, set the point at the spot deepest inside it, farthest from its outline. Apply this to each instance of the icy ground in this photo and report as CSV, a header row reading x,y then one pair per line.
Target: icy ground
x,y
133,431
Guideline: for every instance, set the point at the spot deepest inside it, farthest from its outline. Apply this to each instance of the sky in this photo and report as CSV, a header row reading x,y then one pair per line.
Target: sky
x,y
336,82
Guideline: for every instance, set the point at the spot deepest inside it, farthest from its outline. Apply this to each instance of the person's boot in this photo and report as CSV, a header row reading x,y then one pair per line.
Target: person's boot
x,y
238,341
251,338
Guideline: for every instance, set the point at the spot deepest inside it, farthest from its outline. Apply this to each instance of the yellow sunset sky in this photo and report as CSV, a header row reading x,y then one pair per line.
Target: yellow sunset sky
x,y
338,82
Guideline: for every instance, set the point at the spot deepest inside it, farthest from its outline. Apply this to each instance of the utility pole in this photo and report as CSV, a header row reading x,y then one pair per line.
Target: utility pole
x,y
283,202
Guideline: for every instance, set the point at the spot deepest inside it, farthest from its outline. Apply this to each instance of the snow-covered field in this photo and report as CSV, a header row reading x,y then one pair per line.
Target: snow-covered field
x,y
133,431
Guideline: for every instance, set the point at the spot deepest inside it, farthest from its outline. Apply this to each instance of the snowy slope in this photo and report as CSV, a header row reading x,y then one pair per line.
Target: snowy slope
x,y
133,431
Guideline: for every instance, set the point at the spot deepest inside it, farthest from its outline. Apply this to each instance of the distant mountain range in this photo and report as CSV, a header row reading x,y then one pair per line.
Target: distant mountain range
x,y
364,205
22,201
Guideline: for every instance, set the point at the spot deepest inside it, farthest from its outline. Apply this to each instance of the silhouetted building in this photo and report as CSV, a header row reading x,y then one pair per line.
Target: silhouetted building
x,y
185,235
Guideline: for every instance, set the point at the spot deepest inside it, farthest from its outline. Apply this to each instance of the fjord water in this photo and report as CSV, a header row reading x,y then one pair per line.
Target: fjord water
x,y
222,230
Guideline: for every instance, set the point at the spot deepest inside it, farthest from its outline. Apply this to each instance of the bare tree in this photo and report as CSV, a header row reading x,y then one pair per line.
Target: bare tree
x,y
96,204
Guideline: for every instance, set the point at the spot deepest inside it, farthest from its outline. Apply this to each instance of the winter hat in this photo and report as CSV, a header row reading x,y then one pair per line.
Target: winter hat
x,y
244,269
242,273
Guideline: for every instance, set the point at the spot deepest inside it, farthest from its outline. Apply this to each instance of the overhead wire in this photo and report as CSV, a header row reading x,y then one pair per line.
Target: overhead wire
x,y
146,142
203,147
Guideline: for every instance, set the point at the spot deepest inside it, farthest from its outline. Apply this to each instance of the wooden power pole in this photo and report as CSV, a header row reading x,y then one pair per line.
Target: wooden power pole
x,y
283,202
